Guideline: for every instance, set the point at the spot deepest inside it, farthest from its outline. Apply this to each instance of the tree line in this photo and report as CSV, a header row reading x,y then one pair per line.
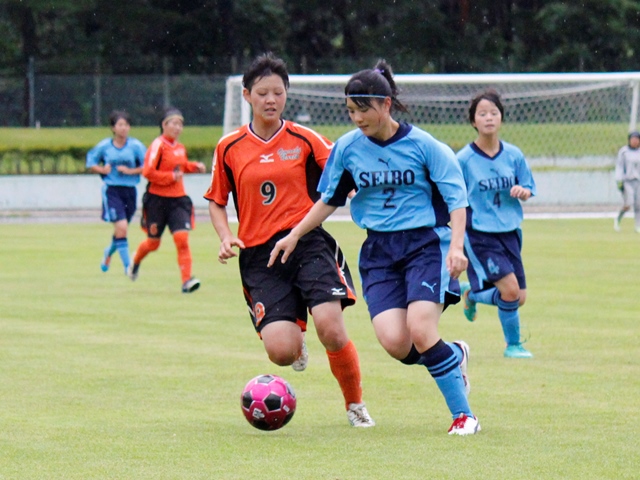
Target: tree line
x,y
316,36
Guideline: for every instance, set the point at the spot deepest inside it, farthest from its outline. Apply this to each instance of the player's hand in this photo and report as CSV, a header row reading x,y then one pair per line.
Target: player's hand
x,y
122,169
226,248
456,262
520,192
106,169
286,245
177,174
201,167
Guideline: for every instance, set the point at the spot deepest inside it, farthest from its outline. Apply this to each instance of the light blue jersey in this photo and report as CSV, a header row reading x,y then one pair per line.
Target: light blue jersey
x,y
489,181
130,155
410,181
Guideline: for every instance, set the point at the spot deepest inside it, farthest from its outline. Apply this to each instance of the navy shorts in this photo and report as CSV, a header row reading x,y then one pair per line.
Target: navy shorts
x,y
159,212
493,256
315,273
398,268
118,203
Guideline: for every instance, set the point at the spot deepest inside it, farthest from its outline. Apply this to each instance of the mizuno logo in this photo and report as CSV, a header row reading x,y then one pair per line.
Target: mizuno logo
x,y
268,158
430,287
337,291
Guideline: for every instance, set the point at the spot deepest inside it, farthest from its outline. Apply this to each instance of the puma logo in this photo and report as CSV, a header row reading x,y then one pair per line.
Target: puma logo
x,y
430,287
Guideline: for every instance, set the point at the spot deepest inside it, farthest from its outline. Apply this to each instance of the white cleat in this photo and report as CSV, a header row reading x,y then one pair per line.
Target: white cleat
x,y
301,362
191,285
464,425
358,416
132,271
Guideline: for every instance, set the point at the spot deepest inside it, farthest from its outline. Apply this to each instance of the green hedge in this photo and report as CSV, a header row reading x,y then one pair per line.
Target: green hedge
x,y
69,160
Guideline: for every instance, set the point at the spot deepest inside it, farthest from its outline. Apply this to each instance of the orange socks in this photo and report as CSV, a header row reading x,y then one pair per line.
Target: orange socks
x,y
181,240
345,366
147,246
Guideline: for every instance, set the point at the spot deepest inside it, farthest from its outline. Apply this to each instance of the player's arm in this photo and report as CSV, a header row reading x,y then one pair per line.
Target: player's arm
x,y
619,171
129,170
151,166
139,151
94,160
526,185
195,167
101,169
456,260
228,240
314,218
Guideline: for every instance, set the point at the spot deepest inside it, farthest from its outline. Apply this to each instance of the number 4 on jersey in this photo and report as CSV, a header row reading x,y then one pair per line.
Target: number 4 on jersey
x,y
496,200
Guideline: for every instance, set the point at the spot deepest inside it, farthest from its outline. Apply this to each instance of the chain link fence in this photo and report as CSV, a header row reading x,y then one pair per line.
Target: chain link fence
x,y
87,100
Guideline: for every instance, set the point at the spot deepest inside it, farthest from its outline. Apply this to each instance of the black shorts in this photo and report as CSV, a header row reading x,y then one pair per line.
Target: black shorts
x,y
159,212
315,273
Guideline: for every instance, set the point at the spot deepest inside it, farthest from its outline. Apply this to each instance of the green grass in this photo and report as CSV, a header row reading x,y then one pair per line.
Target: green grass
x,y
101,378
52,138
562,140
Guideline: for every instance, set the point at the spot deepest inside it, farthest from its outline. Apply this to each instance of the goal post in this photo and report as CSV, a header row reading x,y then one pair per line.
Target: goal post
x,y
552,117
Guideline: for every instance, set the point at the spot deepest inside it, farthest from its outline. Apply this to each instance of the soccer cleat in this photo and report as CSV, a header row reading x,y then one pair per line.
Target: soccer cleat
x,y
303,359
464,425
358,416
463,364
132,271
469,305
517,351
191,285
106,260
616,224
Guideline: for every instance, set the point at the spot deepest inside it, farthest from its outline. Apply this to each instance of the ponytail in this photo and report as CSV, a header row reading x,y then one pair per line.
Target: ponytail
x,y
376,83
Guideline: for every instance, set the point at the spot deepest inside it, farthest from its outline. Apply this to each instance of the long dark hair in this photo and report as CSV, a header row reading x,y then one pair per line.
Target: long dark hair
x,y
374,84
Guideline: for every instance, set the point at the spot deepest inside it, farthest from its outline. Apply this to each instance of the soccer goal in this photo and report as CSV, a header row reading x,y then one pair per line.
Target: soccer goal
x,y
553,118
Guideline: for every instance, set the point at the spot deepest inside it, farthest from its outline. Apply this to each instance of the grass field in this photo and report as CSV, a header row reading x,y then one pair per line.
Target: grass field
x,y
101,378
550,140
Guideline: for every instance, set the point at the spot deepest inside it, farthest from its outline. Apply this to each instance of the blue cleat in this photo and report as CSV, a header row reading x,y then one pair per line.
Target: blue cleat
x,y
469,309
517,351
106,260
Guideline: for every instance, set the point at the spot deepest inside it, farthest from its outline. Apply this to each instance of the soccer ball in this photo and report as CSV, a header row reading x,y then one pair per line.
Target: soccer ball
x,y
268,402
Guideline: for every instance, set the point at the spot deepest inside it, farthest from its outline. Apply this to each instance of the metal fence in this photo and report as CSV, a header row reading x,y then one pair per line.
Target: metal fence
x,y
87,100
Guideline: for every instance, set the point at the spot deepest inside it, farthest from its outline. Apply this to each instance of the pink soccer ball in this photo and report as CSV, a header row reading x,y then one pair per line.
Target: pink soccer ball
x,y
268,402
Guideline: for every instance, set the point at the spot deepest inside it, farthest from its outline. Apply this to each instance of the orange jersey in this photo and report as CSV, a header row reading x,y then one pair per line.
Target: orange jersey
x,y
273,182
163,157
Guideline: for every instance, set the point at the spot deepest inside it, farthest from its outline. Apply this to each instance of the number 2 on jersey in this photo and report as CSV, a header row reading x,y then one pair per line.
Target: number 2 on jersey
x,y
390,192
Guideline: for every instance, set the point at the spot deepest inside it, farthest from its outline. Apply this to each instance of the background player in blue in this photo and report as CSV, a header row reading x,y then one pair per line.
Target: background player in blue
x,y
119,162
408,186
497,178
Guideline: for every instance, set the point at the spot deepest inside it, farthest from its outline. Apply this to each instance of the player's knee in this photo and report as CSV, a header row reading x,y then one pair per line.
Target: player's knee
x,y
510,291
181,240
153,244
333,336
523,297
282,358
395,346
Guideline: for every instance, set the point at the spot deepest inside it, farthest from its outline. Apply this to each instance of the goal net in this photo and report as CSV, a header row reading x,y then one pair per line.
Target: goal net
x,y
556,119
